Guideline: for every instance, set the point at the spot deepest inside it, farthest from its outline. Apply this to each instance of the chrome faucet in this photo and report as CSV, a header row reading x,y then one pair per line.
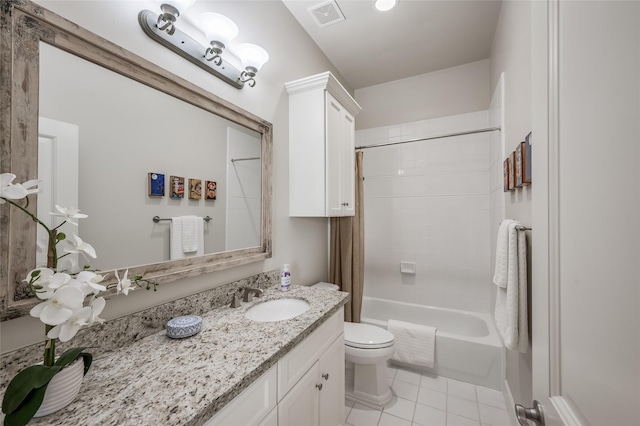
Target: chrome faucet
x,y
235,300
249,292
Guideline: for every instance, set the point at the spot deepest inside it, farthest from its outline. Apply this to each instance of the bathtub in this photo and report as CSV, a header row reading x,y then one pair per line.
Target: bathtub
x,y
468,347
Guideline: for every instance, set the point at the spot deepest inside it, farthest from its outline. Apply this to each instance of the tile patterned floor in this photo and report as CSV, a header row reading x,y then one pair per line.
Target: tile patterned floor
x,y
426,400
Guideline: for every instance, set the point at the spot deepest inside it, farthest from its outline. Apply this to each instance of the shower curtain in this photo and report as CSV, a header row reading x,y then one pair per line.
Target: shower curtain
x,y
347,250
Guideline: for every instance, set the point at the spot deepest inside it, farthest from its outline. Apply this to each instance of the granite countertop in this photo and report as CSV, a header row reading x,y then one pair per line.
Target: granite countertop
x,y
159,380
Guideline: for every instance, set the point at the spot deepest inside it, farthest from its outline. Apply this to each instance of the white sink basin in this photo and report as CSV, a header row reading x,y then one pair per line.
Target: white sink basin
x,y
277,310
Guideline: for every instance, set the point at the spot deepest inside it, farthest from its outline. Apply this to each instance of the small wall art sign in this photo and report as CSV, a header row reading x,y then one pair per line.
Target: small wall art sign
x,y
211,190
177,187
518,165
155,184
506,167
526,160
512,172
195,189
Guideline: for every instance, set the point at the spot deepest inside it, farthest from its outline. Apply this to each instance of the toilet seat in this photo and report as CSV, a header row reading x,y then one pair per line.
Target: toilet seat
x,y
365,336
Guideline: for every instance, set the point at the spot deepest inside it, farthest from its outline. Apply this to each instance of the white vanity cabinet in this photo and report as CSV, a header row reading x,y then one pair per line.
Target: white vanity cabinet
x,y
321,147
306,387
313,394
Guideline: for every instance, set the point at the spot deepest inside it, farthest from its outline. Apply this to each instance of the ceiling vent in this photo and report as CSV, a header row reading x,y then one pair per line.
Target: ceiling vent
x,y
326,13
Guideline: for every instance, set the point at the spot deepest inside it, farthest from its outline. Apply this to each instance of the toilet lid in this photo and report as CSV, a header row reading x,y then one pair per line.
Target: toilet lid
x,y
366,336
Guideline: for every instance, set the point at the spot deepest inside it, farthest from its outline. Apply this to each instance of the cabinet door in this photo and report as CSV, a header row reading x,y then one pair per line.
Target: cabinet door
x,y
331,396
260,396
335,151
271,419
347,163
300,406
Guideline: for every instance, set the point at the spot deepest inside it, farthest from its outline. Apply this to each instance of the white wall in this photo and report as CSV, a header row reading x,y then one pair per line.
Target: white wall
x,y
299,242
428,203
437,94
511,56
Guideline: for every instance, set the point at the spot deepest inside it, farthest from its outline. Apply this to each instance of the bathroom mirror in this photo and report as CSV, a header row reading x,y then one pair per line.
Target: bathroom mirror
x,y
42,56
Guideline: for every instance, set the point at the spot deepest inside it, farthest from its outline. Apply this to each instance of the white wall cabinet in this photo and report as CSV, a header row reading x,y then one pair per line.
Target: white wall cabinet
x,y
321,147
306,387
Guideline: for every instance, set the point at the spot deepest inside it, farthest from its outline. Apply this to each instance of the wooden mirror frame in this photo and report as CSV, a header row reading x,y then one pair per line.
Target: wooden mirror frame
x,y
23,25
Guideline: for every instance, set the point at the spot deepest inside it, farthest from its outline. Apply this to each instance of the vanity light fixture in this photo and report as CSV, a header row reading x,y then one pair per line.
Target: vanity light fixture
x,y
171,9
385,5
253,57
219,31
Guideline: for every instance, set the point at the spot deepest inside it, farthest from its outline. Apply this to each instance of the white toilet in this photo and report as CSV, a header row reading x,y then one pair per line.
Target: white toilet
x,y
368,347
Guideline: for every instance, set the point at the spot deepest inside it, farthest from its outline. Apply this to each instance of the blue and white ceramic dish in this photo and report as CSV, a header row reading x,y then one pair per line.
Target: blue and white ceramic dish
x,y
180,327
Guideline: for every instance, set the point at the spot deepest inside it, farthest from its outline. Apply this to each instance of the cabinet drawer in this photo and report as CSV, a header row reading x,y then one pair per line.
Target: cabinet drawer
x,y
294,364
252,405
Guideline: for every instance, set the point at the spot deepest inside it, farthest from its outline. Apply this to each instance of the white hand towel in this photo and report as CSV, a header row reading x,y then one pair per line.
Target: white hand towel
x,y
505,250
414,344
175,239
511,302
190,234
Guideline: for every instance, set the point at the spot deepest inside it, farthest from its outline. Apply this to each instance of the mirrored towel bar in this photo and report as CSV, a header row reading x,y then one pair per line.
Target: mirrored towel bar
x,y
470,132
157,219
233,160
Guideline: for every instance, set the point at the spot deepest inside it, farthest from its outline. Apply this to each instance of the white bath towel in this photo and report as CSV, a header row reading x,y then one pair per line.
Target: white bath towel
x,y
506,252
511,302
414,344
177,238
190,239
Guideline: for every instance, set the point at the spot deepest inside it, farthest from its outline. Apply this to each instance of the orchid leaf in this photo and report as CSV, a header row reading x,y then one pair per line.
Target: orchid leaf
x,y
27,409
29,379
68,357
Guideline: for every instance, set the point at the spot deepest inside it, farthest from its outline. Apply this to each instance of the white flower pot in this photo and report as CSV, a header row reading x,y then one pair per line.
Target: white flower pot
x,y
63,388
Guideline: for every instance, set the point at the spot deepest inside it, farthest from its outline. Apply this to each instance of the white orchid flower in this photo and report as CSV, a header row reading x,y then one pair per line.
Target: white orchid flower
x,y
59,308
69,264
59,279
67,330
80,246
89,282
28,186
47,282
125,285
97,306
69,213
10,190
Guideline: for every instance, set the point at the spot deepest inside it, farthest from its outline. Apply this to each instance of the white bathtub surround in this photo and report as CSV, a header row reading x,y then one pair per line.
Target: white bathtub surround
x,y
511,299
415,343
428,203
467,348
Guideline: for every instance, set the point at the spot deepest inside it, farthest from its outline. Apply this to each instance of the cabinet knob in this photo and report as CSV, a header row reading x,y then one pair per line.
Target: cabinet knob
x,y
345,204
325,376
319,386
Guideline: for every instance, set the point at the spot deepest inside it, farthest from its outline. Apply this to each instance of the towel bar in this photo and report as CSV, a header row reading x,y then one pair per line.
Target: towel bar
x,y
523,228
157,219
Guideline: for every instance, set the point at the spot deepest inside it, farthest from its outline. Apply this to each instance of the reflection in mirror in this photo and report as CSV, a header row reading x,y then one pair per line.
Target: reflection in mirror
x,y
125,130
103,124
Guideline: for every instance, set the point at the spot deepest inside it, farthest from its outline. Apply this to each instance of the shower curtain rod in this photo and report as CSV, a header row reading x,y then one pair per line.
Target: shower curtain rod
x,y
470,132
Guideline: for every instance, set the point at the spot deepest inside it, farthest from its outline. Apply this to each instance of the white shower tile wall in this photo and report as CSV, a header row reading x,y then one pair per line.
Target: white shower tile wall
x,y
429,203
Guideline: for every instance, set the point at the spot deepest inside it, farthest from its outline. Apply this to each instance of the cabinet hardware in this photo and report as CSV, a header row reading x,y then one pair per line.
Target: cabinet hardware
x,y
319,386
325,376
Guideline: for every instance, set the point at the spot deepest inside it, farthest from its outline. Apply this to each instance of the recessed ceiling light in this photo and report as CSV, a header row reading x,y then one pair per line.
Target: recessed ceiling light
x,y
384,5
